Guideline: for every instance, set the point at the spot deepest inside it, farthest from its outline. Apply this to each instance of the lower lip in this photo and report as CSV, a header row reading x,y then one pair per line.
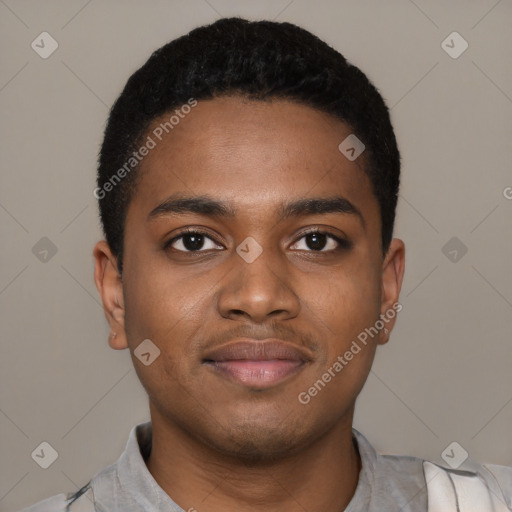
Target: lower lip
x,y
257,374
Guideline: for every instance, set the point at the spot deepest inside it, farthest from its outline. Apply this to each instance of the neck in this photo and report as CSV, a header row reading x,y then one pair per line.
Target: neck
x,y
323,476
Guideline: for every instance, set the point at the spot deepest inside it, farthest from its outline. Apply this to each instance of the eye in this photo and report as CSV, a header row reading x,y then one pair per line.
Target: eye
x,y
191,240
317,240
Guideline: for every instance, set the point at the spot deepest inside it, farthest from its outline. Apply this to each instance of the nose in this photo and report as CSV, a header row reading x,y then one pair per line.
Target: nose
x,y
260,290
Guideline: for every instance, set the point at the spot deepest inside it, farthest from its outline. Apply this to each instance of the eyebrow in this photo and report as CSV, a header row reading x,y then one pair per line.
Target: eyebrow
x,y
178,204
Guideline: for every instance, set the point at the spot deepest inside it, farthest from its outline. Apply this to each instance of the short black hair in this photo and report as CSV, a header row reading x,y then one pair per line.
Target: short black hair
x,y
260,60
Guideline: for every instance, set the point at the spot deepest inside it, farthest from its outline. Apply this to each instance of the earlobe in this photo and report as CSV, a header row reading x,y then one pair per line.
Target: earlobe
x,y
383,336
117,343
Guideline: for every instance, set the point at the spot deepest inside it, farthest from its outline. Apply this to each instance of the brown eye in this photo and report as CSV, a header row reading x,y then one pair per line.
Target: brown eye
x,y
317,240
191,241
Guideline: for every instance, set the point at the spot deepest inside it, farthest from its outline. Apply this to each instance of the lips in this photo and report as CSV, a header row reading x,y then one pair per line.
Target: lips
x,y
257,363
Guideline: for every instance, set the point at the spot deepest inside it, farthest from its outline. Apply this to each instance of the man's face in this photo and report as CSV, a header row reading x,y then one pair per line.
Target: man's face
x,y
197,294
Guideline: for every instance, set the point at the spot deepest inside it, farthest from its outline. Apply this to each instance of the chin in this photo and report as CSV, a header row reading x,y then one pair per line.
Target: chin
x,y
259,444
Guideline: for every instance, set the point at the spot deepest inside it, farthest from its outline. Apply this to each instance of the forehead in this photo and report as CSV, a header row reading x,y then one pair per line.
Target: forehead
x,y
251,153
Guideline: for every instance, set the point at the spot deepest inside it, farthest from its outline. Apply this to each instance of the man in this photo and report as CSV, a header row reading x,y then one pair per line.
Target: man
x,y
247,186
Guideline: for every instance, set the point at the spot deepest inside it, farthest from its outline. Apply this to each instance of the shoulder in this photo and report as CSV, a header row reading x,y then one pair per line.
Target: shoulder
x,y
101,488
79,501
55,503
503,477
498,479
485,486
413,481
488,485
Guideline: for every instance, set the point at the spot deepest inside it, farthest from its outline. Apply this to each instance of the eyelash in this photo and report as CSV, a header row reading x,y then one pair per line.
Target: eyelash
x,y
342,243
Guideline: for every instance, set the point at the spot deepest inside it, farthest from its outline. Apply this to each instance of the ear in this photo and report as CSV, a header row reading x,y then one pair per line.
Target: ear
x,y
110,287
393,269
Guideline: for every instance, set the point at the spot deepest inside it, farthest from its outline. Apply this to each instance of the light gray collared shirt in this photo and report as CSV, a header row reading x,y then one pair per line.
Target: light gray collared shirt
x,y
386,483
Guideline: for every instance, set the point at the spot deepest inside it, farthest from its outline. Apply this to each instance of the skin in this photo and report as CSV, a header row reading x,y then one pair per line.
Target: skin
x,y
219,445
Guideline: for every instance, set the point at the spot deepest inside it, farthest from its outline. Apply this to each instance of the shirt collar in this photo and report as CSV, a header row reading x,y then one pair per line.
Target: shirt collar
x,y
135,479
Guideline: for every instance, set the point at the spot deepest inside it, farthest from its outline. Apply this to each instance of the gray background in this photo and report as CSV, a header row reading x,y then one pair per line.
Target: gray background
x,y
446,373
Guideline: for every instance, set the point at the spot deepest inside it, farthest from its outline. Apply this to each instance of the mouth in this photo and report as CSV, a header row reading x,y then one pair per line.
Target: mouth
x,y
257,364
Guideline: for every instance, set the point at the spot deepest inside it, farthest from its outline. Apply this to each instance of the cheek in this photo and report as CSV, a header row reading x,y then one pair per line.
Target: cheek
x,y
159,295
167,313
346,303
344,313
171,309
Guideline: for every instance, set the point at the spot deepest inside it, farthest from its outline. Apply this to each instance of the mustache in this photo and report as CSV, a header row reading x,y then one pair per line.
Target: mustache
x,y
260,332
